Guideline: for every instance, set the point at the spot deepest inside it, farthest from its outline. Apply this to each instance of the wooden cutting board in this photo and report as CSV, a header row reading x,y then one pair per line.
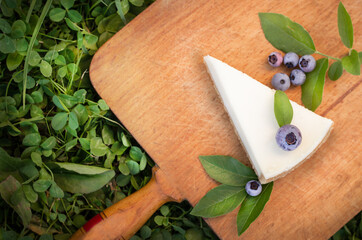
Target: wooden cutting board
x,y
152,76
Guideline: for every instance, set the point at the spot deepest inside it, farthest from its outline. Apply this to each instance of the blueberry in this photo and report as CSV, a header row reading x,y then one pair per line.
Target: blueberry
x,y
275,59
297,77
281,81
288,137
253,188
307,63
291,60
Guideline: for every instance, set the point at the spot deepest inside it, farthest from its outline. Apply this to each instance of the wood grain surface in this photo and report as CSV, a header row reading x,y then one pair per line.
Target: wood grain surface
x,y
152,76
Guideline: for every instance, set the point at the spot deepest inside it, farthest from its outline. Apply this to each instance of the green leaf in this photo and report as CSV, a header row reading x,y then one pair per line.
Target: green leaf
x,y
345,26
81,113
37,96
11,191
335,70
143,162
76,183
351,63
122,9
5,26
57,14
34,58
133,167
55,191
41,185
73,121
13,61
59,121
8,163
7,45
286,35
109,160
91,39
18,29
85,143
49,143
227,170
135,153
82,169
69,145
22,45
252,207
312,89
62,71
123,168
164,210
56,100
51,55
60,60
107,135
103,105
74,15
137,3
45,68
118,149
145,232
123,180
36,158
32,139
97,147
158,220
125,140
219,201
30,194
67,3
283,110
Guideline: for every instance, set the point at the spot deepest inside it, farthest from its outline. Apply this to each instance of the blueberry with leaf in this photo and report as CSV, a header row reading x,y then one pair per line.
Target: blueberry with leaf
x,y
289,36
288,136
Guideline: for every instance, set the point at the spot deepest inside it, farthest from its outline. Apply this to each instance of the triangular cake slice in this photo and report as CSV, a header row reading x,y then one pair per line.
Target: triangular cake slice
x,y
250,105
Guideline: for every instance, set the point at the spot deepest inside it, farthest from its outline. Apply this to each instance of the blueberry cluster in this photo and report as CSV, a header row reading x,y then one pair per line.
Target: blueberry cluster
x,y
282,81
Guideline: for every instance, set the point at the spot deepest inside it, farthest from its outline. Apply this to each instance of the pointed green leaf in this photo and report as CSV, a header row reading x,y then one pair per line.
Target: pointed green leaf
x,y
335,70
283,110
345,26
351,63
227,170
82,169
252,207
55,191
76,183
219,201
286,35
312,89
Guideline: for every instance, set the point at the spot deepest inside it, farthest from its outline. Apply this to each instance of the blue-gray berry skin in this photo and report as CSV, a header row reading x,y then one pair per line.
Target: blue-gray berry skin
x,y
281,81
291,60
275,59
307,63
288,137
297,77
253,188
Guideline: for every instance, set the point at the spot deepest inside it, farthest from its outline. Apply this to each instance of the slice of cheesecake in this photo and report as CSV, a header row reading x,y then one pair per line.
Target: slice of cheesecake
x,y
250,105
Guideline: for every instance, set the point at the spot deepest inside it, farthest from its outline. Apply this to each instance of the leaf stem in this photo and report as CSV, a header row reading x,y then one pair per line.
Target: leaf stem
x,y
334,58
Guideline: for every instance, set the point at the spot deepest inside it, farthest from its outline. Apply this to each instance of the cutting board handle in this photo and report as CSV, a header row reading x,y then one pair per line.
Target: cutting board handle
x,y
124,218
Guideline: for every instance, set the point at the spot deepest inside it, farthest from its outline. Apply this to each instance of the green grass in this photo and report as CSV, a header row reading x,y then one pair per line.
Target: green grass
x,y
49,113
